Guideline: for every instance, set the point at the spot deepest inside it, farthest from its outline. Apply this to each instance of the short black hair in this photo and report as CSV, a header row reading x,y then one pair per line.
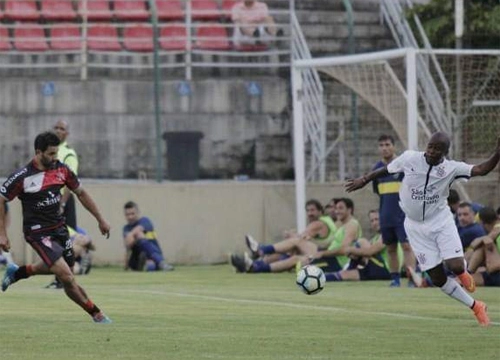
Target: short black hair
x,y
46,139
498,210
464,204
348,203
386,137
487,215
316,203
453,197
130,205
373,211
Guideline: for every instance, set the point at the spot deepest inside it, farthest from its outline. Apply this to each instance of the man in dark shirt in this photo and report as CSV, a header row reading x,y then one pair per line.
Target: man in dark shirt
x,y
391,216
141,243
38,185
468,229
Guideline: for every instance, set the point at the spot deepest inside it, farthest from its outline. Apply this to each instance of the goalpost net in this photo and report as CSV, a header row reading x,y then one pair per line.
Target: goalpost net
x,y
406,93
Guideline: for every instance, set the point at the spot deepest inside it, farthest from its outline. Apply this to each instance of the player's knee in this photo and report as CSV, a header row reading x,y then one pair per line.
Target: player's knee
x,y
437,275
67,278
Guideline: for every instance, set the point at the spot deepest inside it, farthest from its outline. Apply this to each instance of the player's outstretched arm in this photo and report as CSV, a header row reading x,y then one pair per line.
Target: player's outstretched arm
x,y
358,183
486,166
91,207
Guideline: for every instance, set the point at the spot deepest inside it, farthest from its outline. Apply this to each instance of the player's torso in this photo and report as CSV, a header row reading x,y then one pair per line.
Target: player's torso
x,y
425,188
387,188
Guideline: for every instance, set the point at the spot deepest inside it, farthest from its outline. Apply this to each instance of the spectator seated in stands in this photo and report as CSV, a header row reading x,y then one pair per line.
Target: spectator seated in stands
x,y
253,24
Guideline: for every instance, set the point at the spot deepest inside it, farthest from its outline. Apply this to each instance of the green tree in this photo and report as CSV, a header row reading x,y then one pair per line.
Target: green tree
x,y
481,23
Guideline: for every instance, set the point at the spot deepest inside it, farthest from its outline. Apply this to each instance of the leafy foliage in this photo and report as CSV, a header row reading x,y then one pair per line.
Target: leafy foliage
x,y
481,23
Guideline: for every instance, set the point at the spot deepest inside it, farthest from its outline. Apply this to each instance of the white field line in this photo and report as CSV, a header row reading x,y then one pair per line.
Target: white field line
x,y
298,306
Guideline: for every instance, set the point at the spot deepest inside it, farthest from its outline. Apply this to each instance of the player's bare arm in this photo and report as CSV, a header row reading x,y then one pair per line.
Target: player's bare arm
x,y
358,183
4,240
91,207
367,252
486,166
315,228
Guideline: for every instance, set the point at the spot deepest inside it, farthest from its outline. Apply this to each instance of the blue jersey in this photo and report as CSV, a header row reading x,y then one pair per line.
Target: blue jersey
x,y
387,188
147,225
469,233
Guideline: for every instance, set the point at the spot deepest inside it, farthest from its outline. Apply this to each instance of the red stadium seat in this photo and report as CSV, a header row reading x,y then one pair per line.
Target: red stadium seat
x,y
212,37
1,14
98,10
138,37
4,39
103,37
21,10
227,7
204,10
169,9
173,37
131,10
250,47
30,37
65,37
55,10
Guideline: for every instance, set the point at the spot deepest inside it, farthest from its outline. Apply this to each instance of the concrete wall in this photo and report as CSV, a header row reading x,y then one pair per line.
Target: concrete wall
x,y
112,123
197,222
200,222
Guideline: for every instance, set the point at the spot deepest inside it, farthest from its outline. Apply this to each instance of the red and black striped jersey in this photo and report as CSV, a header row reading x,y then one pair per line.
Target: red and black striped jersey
x,y
40,194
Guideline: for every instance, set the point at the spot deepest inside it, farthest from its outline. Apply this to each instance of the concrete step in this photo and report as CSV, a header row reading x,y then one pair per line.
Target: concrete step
x,y
342,31
325,47
336,17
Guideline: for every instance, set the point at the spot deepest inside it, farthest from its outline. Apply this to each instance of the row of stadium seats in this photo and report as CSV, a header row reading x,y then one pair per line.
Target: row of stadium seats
x,y
105,37
104,10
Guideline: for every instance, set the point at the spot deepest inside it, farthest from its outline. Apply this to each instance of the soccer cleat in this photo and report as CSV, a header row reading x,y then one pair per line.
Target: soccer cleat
x,y
239,263
480,312
56,284
166,266
414,277
248,260
8,277
395,283
101,318
253,246
467,282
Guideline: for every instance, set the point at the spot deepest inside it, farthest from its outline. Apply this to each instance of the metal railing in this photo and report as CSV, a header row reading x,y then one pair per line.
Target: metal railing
x,y
314,112
437,103
220,52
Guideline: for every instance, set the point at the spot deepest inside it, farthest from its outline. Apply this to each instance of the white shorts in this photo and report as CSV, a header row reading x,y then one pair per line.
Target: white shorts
x,y
240,39
433,242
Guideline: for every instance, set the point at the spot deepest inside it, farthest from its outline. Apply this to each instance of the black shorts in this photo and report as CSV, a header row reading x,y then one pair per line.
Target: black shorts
x,y
394,234
491,279
327,264
50,245
372,271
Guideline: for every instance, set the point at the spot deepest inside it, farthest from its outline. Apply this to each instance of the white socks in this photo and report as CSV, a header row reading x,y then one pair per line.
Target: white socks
x,y
453,289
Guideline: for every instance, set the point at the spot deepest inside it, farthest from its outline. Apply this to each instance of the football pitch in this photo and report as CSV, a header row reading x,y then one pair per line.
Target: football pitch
x,y
209,312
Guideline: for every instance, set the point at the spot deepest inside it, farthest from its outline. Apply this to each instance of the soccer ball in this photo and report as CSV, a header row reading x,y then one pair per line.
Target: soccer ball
x,y
311,279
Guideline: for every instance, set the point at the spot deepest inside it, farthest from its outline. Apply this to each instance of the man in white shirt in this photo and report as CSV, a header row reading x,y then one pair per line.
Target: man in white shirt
x,y
429,222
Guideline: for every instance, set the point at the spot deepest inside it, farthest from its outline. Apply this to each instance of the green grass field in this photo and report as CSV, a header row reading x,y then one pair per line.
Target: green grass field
x,y
209,312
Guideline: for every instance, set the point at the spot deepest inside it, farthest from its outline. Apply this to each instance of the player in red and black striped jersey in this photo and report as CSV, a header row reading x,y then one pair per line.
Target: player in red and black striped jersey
x,y
38,185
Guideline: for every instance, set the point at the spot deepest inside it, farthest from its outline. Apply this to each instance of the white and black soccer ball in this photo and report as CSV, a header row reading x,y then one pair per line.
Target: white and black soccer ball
x,y
311,279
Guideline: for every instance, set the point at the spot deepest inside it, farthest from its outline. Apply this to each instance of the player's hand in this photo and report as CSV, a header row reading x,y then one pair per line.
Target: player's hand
x,y
4,243
355,184
104,227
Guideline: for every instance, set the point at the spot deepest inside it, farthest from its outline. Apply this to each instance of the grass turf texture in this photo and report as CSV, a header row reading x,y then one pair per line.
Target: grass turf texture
x,y
209,312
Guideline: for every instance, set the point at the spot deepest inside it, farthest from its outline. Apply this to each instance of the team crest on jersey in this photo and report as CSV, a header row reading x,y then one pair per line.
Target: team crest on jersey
x,y
440,171
421,258
46,241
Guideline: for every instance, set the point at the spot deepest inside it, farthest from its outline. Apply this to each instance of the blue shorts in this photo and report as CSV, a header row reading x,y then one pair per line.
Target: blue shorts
x,y
372,271
394,234
491,279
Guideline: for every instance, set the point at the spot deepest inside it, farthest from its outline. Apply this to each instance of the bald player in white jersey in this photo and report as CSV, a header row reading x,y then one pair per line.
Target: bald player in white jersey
x,y
429,222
